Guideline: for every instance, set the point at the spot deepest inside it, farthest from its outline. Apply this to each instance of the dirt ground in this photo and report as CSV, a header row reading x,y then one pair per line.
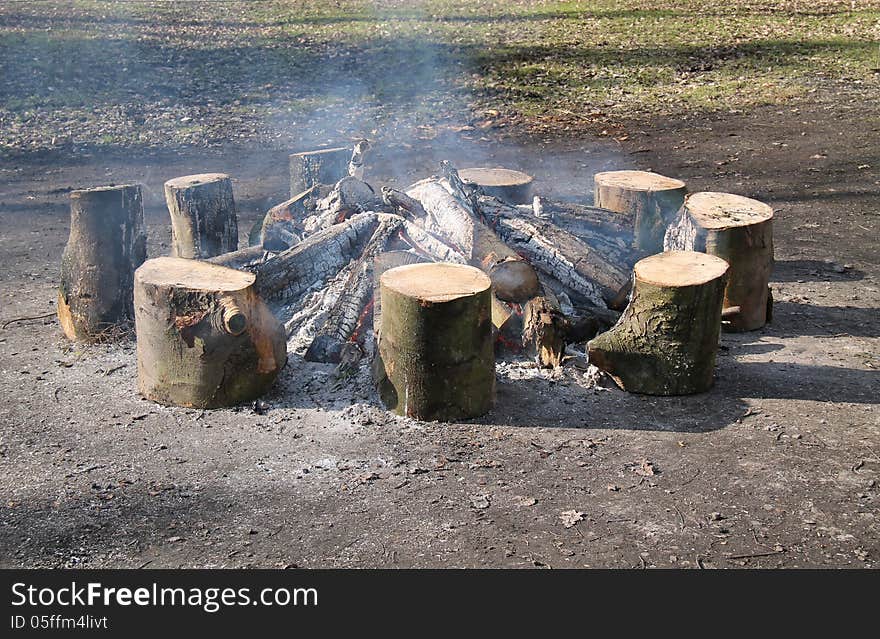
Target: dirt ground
x,y
777,466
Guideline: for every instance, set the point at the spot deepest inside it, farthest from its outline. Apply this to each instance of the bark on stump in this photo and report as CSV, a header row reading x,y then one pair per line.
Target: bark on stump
x,y
514,187
650,200
204,337
324,166
739,230
435,357
107,243
666,341
203,218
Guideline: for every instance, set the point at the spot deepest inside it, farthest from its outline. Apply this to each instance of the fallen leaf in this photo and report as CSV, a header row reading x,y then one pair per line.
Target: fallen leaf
x,y
480,502
570,517
645,468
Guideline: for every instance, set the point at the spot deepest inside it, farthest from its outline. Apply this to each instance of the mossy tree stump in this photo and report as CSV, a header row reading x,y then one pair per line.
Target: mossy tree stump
x,y
323,166
650,202
666,341
204,337
739,230
435,357
513,187
107,243
204,222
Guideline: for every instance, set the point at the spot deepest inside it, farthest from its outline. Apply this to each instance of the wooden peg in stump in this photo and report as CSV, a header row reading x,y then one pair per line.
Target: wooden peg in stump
x,y
203,218
649,201
107,243
204,337
739,230
435,357
666,341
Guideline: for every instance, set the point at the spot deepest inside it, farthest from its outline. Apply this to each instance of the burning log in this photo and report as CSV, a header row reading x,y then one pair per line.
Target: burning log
x,y
283,225
435,354
739,230
667,338
324,166
246,259
317,258
428,245
598,278
590,223
351,311
513,187
405,205
204,337
544,329
107,243
348,197
513,279
203,218
651,200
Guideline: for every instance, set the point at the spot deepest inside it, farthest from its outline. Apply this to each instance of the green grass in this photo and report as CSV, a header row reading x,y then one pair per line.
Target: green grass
x,y
599,60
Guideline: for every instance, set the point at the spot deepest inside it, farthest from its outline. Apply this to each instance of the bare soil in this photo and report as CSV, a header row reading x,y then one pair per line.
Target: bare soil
x,y
776,466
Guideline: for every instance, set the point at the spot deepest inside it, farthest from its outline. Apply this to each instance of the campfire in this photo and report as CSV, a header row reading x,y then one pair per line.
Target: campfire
x,y
556,273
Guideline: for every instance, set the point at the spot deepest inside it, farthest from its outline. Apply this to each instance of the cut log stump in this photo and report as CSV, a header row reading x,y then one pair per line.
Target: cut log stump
x,y
435,351
666,341
651,201
323,166
204,337
739,230
203,218
107,243
513,187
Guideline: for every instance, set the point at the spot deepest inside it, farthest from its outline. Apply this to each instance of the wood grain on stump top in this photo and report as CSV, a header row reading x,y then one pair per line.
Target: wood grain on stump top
x,y
719,211
196,275
187,181
494,177
321,151
437,281
638,180
99,189
680,268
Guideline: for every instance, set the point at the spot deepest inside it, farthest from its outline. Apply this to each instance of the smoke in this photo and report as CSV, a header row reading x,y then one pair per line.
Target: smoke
x,y
96,80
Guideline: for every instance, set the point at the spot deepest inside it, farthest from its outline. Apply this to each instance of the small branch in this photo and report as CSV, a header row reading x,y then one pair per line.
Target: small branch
x,y
25,319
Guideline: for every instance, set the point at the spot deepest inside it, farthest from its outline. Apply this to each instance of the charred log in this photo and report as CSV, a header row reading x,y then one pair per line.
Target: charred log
x,y
283,225
349,197
316,259
405,205
599,278
351,313
512,277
